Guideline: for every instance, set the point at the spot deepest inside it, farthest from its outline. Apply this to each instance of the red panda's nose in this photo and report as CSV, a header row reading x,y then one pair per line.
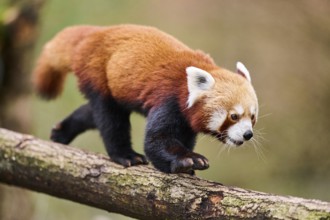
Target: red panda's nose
x,y
248,135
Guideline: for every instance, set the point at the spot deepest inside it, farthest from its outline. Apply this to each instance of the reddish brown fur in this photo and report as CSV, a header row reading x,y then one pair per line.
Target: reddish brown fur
x,y
55,60
135,64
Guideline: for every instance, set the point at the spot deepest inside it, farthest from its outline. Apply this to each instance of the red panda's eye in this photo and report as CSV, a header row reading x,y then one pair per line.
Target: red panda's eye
x,y
234,117
252,117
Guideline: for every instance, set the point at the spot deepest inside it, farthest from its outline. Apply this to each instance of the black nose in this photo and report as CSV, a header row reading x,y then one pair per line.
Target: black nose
x,y
248,135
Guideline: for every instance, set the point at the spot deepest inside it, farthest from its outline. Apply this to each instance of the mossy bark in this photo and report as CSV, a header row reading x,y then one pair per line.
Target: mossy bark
x,y
141,191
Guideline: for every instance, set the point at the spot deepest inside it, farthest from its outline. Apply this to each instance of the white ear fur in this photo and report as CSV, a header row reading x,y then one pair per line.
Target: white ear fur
x,y
241,69
198,81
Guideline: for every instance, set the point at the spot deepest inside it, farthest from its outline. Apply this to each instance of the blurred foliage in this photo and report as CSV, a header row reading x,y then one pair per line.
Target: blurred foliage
x,y
286,46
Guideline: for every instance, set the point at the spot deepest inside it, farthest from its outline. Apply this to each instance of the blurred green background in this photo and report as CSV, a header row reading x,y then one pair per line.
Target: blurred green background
x,y
285,45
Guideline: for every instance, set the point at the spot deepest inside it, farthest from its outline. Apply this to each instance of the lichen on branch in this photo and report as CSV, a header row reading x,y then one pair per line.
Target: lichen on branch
x,y
141,191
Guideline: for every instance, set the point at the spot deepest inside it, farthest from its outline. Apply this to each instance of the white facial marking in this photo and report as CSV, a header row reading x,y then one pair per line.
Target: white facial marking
x,y
198,81
216,120
241,69
237,131
252,110
239,109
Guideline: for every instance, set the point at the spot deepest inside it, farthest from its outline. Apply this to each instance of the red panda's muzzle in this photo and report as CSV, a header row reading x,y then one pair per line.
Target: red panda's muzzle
x,y
224,138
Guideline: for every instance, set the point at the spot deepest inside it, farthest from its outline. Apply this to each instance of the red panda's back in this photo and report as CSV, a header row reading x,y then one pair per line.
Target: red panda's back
x,y
148,65
60,50
136,64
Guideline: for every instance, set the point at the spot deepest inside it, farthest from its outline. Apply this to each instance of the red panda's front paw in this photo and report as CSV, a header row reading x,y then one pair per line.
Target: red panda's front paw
x,y
189,163
130,159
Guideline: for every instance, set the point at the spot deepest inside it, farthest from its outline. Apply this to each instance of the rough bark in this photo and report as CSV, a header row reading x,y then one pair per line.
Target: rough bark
x,y
141,191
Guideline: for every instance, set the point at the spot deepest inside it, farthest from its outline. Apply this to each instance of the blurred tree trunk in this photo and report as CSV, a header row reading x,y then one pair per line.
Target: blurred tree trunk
x,y
18,32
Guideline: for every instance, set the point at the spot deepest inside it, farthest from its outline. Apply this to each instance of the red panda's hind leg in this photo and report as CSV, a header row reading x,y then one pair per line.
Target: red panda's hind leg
x,y
76,123
112,120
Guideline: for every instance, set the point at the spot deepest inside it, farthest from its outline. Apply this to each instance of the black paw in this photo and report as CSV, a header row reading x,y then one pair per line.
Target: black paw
x,y
130,159
60,135
189,163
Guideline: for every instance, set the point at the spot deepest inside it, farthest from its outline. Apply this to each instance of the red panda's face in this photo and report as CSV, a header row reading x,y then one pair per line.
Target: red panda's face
x,y
229,103
233,126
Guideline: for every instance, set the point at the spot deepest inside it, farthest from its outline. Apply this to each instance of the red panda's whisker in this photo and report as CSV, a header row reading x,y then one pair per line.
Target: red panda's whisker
x,y
265,115
258,150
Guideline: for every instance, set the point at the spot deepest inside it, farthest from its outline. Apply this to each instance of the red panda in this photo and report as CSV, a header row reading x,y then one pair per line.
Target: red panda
x,y
128,68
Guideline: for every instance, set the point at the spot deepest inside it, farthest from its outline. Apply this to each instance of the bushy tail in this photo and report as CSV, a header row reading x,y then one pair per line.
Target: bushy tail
x,y
48,80
55,61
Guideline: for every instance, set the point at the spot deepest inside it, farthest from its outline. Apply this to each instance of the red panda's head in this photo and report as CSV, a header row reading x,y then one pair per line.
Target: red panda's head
x,y
223,103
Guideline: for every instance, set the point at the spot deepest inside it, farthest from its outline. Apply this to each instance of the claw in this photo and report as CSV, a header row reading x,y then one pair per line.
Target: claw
x,y
131,159
189,163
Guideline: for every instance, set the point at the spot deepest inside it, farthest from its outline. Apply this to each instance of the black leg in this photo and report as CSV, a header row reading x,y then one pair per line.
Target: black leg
x,y
169,141
113,123
76,123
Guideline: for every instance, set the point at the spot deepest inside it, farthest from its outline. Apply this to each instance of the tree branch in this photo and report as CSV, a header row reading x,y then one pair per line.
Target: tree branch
x,y
141,191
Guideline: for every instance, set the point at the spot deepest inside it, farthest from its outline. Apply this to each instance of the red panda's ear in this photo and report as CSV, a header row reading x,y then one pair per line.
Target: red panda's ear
x,y
198,82
242,70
